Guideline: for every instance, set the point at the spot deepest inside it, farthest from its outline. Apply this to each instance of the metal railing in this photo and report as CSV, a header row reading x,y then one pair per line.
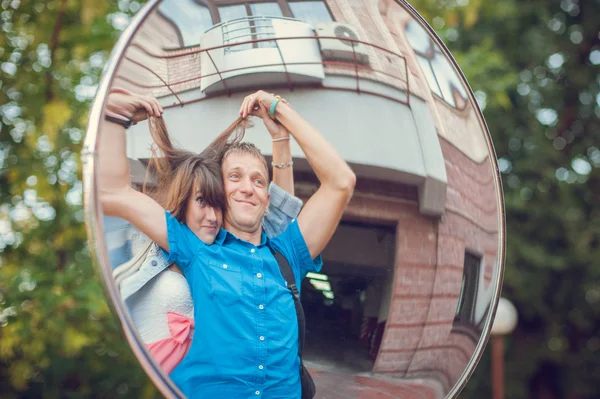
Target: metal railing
x,y
354,66
251,28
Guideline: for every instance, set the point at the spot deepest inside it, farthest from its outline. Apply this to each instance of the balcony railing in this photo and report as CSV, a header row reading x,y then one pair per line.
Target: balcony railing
x,y
244,29
233,43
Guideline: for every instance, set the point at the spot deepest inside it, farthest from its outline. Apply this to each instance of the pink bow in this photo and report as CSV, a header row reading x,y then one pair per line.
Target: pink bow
x,y
181,326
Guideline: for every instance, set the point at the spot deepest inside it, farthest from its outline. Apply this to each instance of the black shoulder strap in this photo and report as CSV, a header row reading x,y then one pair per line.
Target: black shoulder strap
x,y
288,275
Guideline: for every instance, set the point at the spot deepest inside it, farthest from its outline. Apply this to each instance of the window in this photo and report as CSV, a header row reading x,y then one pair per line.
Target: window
x,y
194,17
310,11
251,29
241,19
228,13
190,18
439,72
235,32
265,28
465,311
263,9
266,9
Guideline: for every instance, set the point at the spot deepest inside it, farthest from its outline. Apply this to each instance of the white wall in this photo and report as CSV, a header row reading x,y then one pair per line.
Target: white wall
x,y
380,138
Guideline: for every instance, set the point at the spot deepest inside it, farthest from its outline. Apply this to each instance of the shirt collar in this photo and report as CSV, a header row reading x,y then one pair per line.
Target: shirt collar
x,y
225,235
221,235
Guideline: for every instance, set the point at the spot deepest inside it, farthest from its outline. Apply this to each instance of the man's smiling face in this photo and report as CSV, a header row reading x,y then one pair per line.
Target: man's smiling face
x,y
245,181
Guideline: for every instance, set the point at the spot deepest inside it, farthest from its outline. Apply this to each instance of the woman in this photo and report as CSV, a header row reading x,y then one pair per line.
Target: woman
x,y
156,294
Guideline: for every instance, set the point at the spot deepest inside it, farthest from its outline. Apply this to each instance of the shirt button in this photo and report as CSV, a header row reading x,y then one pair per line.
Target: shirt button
x,y
260,367
224,266
259,275
154,263
252,250
257,392
262,338
261,307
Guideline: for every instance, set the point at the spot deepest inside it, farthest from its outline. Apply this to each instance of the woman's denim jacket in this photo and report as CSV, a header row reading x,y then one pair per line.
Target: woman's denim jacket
x,y
122,239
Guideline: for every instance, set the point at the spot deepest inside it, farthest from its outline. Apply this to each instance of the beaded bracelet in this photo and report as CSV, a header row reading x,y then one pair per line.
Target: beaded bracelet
x,y
282,165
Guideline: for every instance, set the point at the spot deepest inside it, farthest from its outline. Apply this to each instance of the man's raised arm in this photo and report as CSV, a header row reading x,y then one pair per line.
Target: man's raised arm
x,y
322,212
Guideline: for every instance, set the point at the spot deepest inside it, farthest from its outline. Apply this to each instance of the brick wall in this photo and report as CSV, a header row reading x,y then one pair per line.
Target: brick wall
x,y
143,68
367,20
184,68
395,19
156,63
460,125
418,340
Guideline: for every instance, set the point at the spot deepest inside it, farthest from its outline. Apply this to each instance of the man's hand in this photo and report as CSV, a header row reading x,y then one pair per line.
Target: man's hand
x,y
259,104
124,104
252,102
276,129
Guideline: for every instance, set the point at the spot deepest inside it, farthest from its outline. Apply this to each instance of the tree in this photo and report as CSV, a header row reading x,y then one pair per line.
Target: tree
x,y
57,335
534,68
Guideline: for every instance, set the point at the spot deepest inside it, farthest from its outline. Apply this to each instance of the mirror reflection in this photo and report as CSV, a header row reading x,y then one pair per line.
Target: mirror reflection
x,y
369,177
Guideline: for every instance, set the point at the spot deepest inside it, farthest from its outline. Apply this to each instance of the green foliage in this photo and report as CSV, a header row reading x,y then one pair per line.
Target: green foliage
x,y
57,335
531,62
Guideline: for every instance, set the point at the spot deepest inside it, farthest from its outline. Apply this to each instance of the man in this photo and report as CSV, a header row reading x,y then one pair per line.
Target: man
x,y
246,340
253,331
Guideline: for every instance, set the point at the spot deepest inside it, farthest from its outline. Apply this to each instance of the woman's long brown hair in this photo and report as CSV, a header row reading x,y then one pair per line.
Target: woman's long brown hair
x,y
180,174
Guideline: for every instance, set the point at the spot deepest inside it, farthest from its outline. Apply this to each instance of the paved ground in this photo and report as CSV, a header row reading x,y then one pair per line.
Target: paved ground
x,y
341,368
335,385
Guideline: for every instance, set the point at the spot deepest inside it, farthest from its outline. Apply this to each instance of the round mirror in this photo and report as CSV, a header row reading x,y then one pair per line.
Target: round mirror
x,y
380,160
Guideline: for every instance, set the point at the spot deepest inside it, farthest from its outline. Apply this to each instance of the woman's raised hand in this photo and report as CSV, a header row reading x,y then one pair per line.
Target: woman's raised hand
x,y
124,104
276,129
259,104
252,102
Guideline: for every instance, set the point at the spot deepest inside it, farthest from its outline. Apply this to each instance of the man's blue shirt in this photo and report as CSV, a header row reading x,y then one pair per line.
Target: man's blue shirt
x,y
118,233
245,343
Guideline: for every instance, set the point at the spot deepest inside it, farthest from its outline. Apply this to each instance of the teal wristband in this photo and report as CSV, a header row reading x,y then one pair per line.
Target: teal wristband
x,y
273,105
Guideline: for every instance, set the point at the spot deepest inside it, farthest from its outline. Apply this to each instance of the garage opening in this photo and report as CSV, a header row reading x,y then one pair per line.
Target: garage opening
x,y
346,305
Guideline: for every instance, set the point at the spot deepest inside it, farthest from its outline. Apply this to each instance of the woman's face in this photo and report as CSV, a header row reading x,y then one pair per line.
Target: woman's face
x,y
204,220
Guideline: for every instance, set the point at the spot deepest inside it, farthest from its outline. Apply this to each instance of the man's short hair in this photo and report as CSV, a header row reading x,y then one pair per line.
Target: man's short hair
x,y
246,148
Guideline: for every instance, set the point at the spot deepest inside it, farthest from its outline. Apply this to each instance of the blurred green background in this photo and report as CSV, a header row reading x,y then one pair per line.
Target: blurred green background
x,y
535,69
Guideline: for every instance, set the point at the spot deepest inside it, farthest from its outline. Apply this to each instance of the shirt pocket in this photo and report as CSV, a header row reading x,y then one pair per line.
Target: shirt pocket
x,y
225,282
287,320
285,304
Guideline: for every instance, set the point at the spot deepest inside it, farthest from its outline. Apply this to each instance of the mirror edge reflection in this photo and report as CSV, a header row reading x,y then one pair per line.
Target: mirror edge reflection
x,y
487,327
94,219
92,210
